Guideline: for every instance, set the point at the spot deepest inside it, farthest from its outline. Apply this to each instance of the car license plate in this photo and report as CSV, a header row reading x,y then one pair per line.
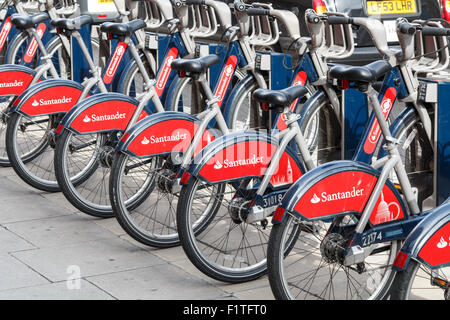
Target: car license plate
x,y
391,7
105,1
391,30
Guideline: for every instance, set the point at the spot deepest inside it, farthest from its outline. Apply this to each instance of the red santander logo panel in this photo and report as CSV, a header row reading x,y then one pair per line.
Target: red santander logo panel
x,y
225,79
249,158
341,192
349,191
108,115
165,71
387,208
32,47
59,99
167,136
14,82
375,131
437,249
115,62
5,32
287,172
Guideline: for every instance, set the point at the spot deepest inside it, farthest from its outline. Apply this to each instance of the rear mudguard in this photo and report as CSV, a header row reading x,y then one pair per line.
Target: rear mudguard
x,y
163,133
49,97
15,79
338,188
429,241
244,155
101,113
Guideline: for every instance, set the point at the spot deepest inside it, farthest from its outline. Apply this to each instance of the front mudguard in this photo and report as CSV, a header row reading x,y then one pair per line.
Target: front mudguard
x,y
339,188
429,241
245,155
49,97
104,112
242,86
163,133
15,79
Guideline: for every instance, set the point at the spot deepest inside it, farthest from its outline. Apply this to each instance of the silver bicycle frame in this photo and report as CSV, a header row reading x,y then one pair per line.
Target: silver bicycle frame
x,y
391,162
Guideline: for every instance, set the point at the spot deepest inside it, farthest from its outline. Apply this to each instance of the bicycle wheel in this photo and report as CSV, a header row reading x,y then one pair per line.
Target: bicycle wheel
x,y
29,145
152,220
17,49
321,129
417,281
213,237
82,167
313,268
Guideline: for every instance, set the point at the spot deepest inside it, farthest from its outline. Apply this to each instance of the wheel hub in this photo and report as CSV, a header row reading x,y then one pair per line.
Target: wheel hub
x,y
332,248
107,156
165,180
51,138
237,209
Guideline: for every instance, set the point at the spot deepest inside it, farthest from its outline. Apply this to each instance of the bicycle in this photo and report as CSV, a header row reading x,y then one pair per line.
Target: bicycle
x,y
18,78
33,119
152,222
354,237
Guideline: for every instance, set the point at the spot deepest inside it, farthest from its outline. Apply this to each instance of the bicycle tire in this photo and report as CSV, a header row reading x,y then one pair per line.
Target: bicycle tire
x,y
410,283
142,221
22,160
284,283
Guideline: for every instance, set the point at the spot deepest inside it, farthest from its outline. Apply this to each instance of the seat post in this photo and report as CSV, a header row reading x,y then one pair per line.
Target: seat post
x,y
212,101
93,68
46,57
136,57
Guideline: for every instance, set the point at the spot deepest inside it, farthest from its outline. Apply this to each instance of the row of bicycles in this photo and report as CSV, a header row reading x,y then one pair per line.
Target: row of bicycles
x,y
181,120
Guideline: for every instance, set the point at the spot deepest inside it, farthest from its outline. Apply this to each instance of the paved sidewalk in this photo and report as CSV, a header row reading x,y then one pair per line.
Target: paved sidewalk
x,y
45,243
49,250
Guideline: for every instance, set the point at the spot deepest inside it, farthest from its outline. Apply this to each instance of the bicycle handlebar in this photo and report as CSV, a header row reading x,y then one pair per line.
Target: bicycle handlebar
x,y
339,20
258,12
435,31
195,2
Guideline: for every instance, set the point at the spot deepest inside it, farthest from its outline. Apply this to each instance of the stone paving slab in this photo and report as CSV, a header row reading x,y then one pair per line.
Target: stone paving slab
x,y
93,258
16,274
11,242
158,282
57,291
59,231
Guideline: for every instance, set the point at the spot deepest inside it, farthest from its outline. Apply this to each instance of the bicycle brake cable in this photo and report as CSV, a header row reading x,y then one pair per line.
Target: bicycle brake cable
x,y
221,39
284,58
